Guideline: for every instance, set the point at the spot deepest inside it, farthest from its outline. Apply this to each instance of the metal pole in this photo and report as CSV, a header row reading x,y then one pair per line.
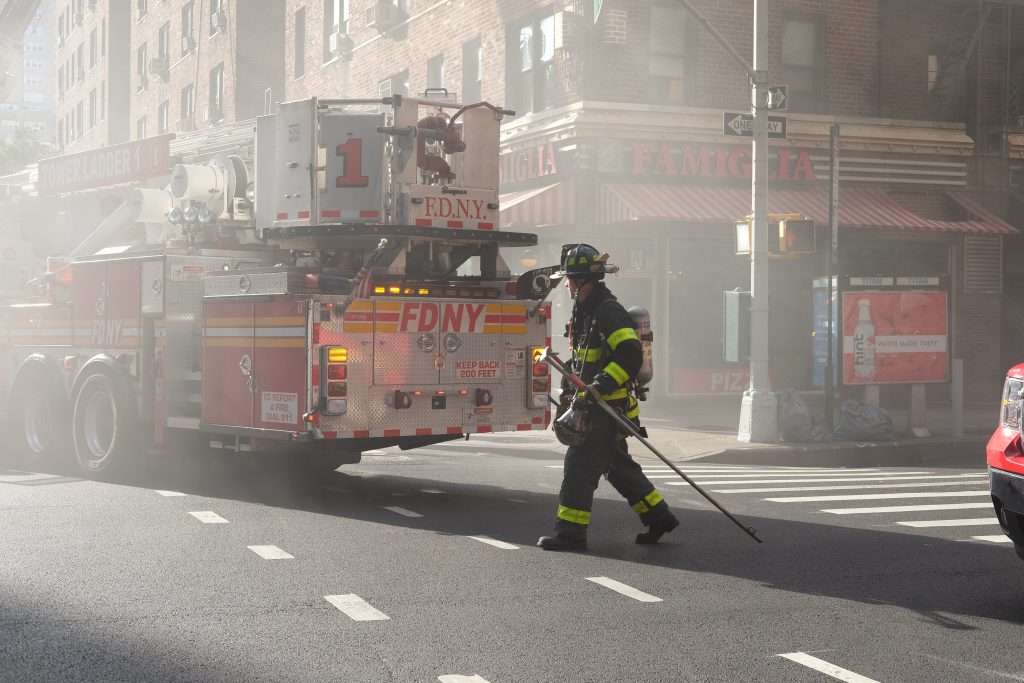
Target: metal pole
x,y
830,274
759,408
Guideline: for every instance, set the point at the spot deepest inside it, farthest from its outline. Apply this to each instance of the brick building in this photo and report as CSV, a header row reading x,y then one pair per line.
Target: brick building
x,y
91,65
189,58
619,140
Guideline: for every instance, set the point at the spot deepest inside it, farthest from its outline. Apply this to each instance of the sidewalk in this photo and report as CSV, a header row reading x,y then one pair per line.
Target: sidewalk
x,y
705,428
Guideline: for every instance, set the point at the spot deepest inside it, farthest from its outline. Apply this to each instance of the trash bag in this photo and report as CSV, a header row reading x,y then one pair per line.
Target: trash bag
x,y
862,422
795,420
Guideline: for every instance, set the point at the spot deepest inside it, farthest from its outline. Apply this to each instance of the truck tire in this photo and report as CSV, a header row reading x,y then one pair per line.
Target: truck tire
x,y
104,424
38,418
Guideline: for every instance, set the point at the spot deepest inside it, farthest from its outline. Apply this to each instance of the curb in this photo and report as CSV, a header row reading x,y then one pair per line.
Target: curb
x,y
968,453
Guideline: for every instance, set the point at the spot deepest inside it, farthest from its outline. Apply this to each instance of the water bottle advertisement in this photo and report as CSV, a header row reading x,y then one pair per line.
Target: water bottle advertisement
x,y
895,337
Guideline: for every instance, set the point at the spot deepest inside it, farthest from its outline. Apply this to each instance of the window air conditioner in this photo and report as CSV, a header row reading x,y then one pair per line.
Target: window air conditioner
x,y
218,22
339,44
79,18
188,43
383,15
159,67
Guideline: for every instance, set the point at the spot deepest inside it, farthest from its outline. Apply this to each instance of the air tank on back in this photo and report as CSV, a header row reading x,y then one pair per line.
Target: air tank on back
x,y
642,322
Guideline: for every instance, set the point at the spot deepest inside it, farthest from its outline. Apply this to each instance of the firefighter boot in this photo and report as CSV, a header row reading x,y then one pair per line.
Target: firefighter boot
x,y
658,528
568,537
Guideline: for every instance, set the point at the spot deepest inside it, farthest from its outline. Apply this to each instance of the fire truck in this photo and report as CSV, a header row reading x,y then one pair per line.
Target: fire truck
x,y
340,289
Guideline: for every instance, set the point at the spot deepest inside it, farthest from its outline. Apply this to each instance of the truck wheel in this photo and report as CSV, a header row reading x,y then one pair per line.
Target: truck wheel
x,y
104,424
37,418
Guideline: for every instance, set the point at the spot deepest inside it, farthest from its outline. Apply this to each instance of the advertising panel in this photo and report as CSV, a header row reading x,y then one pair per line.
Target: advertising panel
x,y
895,337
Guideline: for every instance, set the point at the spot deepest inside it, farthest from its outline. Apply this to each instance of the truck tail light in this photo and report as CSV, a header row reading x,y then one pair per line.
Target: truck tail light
x,y
539,381
334,388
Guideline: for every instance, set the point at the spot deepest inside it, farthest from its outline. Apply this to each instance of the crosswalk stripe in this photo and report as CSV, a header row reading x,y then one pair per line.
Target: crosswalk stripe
x,y
718,480
402,511
208,517
839,476
170,494
624,589
456,678
827,668
271,552
879,496
993,539
909,508
933,523
494,542
860,487
356,608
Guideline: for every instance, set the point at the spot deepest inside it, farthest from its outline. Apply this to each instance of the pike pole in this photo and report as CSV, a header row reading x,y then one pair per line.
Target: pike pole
x,y
551,358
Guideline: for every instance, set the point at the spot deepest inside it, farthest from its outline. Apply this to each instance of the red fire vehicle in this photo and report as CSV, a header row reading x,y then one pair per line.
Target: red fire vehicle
x,y
341,289
1005,455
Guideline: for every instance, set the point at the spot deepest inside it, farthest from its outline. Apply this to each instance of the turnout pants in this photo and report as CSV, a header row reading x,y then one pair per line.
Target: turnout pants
x,y
603,452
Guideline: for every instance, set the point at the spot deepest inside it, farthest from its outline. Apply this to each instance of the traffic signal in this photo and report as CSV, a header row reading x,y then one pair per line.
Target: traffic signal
x,y
796,236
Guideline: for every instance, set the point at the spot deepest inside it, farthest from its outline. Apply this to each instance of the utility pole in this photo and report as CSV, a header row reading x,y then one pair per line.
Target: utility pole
x,y
759,409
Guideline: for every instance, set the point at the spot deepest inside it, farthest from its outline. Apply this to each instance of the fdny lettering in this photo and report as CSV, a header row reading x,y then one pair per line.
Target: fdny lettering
x,y
423,316
107,332
445,207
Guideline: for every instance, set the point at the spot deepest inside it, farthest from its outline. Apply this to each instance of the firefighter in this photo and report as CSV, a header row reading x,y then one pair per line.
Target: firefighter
x,y
606,353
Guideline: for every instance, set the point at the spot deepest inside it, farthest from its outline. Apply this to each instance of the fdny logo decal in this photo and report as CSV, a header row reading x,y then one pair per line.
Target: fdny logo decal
x,y
429,316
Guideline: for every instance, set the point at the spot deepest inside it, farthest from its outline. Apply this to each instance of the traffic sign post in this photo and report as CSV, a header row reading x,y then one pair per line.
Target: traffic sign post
x,y
737,124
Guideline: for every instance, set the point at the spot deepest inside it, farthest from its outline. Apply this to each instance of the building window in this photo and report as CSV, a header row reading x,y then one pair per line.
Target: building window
x,y
103,37
80,116
435,71
141,68
472,71
60,83
188,103
217,18
217,93
60,133
103,101
142,6
140,128
335,26
670,38
531,85
188,39
93,113
933,72
300,42
163,117
93,49
81,61
803,53
163,44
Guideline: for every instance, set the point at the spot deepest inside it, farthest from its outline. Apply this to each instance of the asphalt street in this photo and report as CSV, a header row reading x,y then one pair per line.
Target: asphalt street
x,y
421,566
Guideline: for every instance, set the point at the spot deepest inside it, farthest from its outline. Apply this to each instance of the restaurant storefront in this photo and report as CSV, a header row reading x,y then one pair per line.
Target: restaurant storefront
x,y
661,190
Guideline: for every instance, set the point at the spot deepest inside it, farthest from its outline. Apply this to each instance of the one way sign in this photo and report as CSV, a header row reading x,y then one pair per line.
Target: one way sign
x,y
742,125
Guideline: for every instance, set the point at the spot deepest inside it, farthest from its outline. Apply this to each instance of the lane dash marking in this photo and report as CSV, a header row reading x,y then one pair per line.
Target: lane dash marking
x,y
402,511
495,542
624,589
271,552
356,608
827,668
208,517
170,494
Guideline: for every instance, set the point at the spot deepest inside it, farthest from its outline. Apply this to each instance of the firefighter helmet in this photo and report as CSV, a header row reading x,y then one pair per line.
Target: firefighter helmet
x,y
572,427
584,261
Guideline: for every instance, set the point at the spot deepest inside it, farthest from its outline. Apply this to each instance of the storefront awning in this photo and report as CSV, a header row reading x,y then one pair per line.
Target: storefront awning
x,y
536,207
858,209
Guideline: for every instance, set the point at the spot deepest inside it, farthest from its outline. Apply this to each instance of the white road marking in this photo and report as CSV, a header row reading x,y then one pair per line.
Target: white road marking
x,y
827,668
909,508
28,476
208,517
719,480
931,523
271,552
517,500
496,543
402,511
622,588
860,487
356,608
839,476
434,491
170,494
456,678
879,496
993,539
